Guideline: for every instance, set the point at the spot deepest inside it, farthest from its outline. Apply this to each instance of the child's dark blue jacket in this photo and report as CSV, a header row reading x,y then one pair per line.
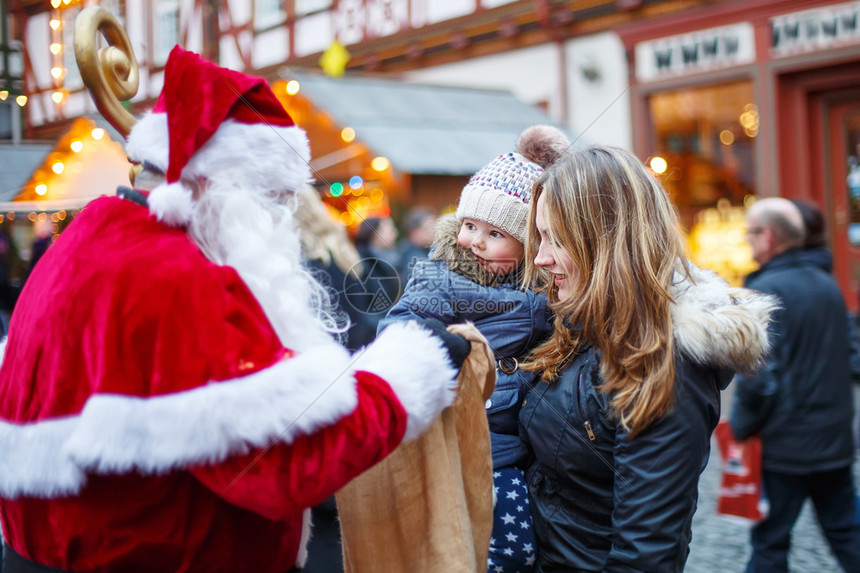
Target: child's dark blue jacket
x,y
453,288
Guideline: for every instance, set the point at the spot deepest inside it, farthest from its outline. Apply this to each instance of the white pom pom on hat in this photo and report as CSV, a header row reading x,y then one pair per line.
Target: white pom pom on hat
x,y
499,193
172,204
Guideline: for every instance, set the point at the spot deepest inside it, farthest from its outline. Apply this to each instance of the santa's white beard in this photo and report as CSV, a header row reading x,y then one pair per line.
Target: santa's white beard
x,y
256,235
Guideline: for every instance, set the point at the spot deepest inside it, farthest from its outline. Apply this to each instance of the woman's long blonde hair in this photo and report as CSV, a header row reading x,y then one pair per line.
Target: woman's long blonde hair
x,y
621,231
323,238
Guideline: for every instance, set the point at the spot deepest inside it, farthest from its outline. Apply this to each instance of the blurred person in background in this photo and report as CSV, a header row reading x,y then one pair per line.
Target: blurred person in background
x,y
801,402
41,242
8,292
375,241
376,237
336,264
816,251
420,228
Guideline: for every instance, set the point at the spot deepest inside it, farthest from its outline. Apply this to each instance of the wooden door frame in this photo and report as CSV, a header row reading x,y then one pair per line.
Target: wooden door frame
x,y
810,148
834,110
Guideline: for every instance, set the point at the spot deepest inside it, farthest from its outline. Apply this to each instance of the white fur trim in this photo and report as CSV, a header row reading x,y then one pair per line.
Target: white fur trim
x,y
119,433
719,325
148,140
416,366
305,539
259,156
297,396
3,349
172,203
33,460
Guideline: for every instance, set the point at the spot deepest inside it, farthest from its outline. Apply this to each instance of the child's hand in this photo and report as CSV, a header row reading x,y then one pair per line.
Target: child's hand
x,y
458,347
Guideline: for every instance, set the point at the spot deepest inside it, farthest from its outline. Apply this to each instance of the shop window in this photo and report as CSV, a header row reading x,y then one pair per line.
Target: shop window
x,y
71,77
166,29
115,7
705,136
268,13
305,7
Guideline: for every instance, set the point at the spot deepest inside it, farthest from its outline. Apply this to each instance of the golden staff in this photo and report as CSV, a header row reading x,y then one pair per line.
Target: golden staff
x,y
110,74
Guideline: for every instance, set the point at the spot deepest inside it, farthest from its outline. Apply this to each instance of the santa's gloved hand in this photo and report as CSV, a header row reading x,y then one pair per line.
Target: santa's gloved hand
x,y
458,347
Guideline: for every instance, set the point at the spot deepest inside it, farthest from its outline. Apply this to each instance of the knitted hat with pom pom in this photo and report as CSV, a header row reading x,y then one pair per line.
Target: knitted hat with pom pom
x,y
499,192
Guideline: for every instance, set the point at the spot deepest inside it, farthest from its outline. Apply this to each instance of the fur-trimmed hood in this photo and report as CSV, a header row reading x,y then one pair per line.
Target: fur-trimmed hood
x,y
719,325
459,260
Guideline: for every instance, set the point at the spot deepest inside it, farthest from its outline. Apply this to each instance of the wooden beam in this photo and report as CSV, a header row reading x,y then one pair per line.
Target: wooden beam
x,y
499,30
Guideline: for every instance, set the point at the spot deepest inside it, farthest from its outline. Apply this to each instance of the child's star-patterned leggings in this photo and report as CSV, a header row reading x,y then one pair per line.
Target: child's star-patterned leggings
x,y
512,545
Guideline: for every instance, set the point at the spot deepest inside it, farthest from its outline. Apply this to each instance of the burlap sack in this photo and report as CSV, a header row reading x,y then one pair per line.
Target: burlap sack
x,y
428,506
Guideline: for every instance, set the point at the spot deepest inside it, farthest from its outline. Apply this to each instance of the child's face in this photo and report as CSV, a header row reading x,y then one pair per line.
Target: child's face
x,y
498,252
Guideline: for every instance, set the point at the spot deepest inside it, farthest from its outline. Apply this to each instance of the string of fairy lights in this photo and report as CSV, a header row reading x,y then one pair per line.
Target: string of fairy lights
x,y
50,180
364,192
57,50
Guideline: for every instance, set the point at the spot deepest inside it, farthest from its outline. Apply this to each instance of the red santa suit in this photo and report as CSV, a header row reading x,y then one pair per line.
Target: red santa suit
x,y
153,420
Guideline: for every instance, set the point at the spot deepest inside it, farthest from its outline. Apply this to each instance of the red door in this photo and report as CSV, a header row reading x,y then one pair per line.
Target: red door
x,y
842,148
818,114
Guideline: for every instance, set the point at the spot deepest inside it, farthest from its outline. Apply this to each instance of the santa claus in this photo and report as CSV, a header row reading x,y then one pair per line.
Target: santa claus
x,y
173,397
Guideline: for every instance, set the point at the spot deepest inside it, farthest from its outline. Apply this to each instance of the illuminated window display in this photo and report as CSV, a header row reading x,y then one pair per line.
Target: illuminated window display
x,y
706,160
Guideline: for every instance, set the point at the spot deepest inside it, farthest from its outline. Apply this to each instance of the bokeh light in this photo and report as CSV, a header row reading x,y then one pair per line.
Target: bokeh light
x,y
658,164
380,163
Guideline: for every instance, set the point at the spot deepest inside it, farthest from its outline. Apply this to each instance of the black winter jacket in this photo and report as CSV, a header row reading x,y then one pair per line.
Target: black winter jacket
x,y
603,501
802,401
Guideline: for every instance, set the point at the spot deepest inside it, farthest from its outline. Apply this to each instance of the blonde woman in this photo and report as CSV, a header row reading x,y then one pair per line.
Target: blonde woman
x,y
643,342
333,260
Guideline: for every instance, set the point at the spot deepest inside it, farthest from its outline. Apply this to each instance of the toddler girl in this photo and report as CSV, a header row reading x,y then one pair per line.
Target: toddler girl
x,y
474,275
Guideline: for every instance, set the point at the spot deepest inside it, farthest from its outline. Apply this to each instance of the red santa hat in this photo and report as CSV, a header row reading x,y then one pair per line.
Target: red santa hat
x,y
220,124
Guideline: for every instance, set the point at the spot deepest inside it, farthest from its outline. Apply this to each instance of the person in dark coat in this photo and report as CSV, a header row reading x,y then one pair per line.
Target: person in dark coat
x,y
816,252
814,249
643,342
420,228
375,240
41,242
8,292
801,403
335,263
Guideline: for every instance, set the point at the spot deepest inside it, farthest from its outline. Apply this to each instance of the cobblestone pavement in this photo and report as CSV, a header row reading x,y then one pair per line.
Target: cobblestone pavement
x,y
722,545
